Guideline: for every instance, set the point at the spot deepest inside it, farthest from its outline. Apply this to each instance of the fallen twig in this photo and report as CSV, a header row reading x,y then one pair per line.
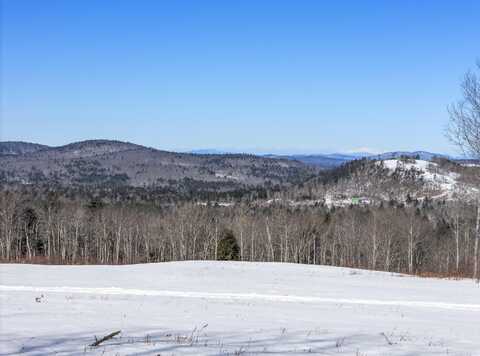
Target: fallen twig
x,y
387,339
105,338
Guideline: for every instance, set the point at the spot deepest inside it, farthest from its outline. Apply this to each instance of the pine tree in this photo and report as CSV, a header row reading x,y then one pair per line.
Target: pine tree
x,y
228,249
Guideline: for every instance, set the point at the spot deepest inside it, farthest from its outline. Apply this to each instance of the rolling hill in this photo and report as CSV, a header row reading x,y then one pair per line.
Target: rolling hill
x,y
19,148
108,163
393,179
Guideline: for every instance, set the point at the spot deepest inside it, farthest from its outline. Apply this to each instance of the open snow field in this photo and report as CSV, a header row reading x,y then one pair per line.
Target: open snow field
x,y
220,308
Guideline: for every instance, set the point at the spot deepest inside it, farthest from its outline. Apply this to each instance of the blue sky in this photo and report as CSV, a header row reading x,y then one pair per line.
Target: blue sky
x,y
278,76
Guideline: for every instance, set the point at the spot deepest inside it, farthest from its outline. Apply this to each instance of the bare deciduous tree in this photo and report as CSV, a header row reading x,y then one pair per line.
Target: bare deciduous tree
x,y
464,127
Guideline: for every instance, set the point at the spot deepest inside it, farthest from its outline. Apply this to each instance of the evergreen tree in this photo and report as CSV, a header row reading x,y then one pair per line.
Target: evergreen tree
x,y
228,249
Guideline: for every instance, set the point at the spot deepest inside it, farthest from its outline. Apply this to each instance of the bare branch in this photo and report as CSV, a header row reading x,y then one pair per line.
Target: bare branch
x,y
464,127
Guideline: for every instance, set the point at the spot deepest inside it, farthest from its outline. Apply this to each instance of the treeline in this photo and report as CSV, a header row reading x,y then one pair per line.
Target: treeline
x,y
439,239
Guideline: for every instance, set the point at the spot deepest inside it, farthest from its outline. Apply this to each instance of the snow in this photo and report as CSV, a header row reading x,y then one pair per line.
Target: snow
x,y
418,164
222,204
429,172
471,165
226,176
219,308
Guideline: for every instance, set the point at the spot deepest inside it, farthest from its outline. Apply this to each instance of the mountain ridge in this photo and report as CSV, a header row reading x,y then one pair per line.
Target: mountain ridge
x,y
20,147
333,160
113,163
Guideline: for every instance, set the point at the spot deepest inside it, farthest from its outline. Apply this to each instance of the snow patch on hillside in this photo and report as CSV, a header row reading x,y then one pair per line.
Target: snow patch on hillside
x,y
394,164
428,171
226,176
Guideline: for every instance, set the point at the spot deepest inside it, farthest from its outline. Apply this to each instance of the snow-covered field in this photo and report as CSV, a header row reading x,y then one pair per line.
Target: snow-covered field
x,y
219,308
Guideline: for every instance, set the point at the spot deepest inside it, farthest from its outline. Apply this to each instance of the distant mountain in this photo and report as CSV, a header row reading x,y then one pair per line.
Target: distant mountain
x,y
19,148
400,180
332,160
115,163
320,161
423,155
350,156
209,151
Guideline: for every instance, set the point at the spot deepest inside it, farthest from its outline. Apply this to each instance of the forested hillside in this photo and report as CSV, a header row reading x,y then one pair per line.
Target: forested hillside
x,y
405,214
109,164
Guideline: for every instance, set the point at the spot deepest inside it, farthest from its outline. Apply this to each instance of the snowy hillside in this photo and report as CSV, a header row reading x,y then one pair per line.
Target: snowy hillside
x,y
445,182
215,308
365,182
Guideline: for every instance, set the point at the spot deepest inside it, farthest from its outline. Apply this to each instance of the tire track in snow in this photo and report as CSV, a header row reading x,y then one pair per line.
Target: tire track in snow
x,y
241,296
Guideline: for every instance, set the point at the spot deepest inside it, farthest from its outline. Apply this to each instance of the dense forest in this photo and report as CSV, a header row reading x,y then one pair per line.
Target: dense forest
x,y
426,238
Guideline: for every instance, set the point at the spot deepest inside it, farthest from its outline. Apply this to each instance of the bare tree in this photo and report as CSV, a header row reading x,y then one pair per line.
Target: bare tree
x,y
464,127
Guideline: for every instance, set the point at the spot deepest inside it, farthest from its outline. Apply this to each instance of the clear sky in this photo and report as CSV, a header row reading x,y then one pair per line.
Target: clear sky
x,y
279,76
